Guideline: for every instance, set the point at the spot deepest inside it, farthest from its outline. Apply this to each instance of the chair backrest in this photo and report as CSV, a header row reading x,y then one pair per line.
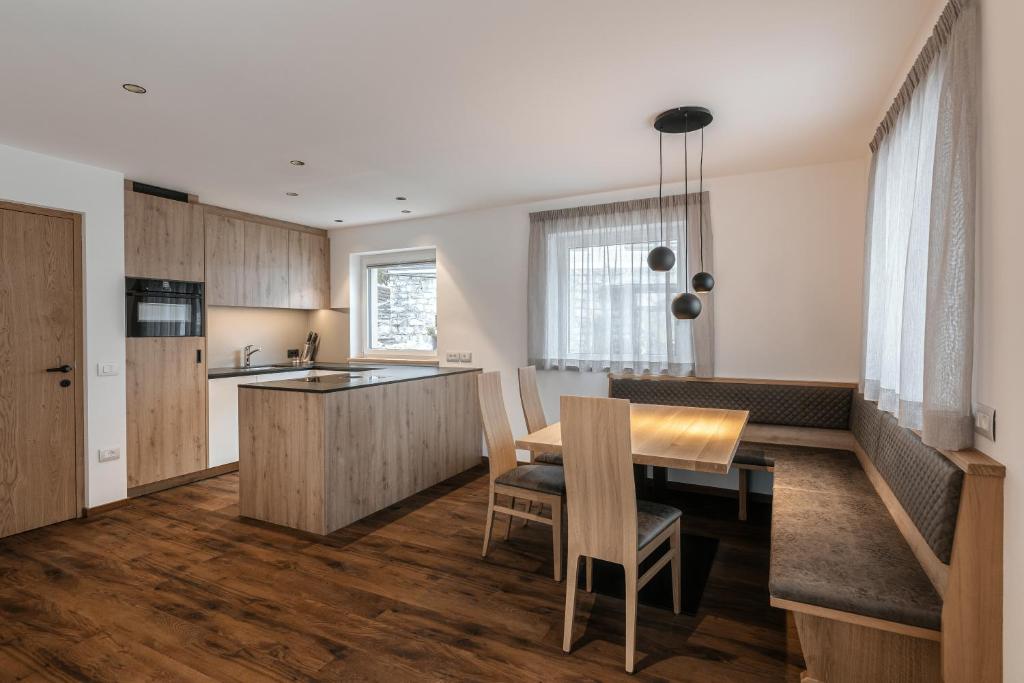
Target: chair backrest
x,y
529,394
501,447
598,462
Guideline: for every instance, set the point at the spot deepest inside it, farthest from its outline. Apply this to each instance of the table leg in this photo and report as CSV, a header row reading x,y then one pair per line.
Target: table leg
x,y
640,480
659,484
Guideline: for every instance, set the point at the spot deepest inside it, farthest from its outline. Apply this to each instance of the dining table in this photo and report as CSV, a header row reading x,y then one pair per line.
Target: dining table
x,y
671,437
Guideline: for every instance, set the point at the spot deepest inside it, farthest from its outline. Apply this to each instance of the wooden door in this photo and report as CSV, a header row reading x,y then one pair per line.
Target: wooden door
x,y
40,426
166,407
308,280
225,260
266,266
163,238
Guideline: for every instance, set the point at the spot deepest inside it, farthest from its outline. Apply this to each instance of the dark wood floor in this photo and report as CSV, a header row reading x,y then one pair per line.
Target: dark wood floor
x,y
176,586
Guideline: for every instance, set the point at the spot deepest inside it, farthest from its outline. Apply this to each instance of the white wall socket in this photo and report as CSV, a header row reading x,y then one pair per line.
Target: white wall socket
x,y
108,454
106,369
459,357
985,421
465,357
452,357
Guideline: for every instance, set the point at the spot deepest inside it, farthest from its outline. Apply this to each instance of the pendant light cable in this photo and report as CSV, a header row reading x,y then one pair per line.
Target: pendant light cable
x,y
686,215
700,199
661,175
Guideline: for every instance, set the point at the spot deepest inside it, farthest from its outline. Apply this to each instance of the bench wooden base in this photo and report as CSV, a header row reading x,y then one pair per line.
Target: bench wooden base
x,y
842,652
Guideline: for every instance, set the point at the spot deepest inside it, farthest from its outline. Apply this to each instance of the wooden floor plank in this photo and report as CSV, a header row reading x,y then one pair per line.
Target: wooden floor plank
x,y
175,586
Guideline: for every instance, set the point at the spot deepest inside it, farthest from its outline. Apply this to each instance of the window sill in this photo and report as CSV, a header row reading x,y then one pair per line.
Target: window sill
x,y
426,360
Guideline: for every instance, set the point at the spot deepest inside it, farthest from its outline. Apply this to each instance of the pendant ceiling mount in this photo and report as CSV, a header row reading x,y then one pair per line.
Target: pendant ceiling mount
x,y
683,119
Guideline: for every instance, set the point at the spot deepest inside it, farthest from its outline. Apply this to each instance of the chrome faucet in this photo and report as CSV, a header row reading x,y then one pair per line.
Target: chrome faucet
x,y
247,354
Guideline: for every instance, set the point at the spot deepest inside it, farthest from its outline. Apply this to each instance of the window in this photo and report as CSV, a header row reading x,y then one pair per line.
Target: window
x,y
401,307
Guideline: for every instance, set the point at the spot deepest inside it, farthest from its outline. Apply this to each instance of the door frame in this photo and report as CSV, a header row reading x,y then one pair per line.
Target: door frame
x,y
79,325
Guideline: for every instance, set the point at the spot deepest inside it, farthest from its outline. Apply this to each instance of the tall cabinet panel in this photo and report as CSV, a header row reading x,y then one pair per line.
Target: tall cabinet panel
x,y
225,260
266,266
308,280
163,238
166,378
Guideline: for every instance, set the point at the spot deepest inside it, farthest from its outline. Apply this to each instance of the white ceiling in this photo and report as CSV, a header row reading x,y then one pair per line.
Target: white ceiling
x,y
456,104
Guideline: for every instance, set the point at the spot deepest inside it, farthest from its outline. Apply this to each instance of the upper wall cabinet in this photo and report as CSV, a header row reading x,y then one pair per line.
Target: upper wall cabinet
x,y
163,238
308,279
266,266
225,260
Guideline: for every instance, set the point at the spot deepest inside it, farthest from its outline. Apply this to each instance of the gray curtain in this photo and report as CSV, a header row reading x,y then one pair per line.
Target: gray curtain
x,y
919,245
595,305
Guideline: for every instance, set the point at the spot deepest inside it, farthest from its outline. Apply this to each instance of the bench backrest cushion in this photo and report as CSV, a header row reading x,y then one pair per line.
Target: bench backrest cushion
x,y
793,405
926,483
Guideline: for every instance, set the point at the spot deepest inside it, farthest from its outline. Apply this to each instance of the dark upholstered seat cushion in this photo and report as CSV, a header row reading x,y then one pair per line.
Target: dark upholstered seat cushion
x,y
865,421
834,544
549,459
652,519
793,405
752,455
925,482
542,478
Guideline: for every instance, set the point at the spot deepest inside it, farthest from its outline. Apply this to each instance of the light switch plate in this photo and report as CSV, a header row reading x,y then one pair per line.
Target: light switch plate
x,y
465,357
108,454
452,357
985,421
106,369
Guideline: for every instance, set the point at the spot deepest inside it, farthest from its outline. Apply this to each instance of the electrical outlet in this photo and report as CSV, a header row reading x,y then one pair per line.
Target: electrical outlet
x,y
106,369
985,421
465,357
108,454
452,357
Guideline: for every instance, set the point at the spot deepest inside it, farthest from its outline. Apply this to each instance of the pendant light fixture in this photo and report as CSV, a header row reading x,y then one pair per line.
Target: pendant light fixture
x,y
687,305
661,258
702,281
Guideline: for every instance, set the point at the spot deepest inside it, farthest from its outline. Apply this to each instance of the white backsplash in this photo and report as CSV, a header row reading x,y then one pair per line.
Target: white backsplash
x,y
229,328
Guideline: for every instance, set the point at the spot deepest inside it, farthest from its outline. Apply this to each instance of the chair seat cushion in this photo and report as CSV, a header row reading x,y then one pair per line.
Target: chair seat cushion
x,y
549,459
752,455
652,519
541,478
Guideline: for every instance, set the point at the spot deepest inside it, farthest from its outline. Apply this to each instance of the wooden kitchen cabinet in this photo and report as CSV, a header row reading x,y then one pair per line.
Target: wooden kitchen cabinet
x,y
266,266
308,279
225,260
166,413
163,238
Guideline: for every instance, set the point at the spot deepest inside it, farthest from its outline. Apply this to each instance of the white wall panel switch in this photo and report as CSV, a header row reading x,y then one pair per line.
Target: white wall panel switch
x,y
108,454
985,421
106,369
452,357
465,357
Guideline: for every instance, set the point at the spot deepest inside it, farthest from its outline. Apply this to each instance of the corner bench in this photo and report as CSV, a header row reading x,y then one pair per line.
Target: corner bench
x,y
887,552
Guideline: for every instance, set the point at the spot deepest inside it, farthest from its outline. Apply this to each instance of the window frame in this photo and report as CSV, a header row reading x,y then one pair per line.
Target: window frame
x,y
377,260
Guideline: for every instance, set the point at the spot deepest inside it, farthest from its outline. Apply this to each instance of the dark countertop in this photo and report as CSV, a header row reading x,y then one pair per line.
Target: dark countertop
x,y
266,369
370,376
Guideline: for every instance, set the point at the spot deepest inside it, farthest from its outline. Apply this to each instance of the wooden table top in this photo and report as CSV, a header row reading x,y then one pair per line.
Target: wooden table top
x,y
681,437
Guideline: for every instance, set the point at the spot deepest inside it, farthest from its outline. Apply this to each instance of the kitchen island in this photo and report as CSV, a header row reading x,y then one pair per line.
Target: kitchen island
x,y
319,453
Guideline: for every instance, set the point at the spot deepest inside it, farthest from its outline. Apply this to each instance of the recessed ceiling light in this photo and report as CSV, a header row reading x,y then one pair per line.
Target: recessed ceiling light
x,y
292,194
338,220
296,162
131,87
406,211
401,199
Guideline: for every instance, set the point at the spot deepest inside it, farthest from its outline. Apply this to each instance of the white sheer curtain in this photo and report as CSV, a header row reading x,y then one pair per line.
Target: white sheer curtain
x,y
594,304
919,249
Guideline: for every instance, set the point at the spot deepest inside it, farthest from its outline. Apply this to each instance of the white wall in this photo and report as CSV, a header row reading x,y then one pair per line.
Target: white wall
x,y
788,267
999,365
98,195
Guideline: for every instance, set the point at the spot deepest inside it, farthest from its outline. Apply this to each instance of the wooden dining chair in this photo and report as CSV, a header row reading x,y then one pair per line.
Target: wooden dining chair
x,y
543,484
533,411
606,521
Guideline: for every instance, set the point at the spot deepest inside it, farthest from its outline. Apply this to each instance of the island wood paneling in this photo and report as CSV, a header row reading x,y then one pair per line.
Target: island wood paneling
x,y
308,279
225,260
318,462
163,238
166,411
266,266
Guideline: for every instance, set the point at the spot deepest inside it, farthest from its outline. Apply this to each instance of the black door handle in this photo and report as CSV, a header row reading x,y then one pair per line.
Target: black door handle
x,y
60,368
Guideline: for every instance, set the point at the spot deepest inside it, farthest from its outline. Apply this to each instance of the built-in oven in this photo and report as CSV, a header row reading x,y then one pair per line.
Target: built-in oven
x,y
163,308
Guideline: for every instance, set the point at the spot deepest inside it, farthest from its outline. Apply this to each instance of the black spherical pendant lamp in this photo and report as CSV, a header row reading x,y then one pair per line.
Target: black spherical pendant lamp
x,y
703,282
661,259
686,306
